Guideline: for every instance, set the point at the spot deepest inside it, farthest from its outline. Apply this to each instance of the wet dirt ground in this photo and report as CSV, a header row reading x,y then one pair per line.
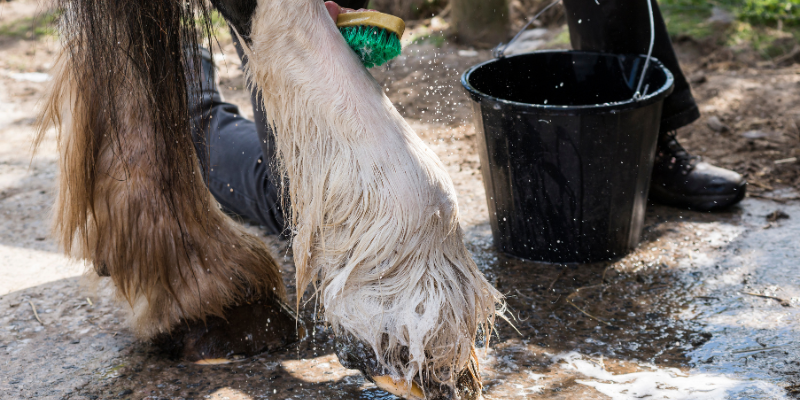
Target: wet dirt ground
x,y
705,308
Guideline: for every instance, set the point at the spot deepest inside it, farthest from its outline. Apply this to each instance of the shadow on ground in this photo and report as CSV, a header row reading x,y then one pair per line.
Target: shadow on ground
x,y
662,306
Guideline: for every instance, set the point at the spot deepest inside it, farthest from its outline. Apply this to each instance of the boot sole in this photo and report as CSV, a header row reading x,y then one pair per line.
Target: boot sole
x,y
700,202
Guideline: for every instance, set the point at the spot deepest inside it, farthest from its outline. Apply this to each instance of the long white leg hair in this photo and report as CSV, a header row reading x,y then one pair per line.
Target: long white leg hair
x,y
373,210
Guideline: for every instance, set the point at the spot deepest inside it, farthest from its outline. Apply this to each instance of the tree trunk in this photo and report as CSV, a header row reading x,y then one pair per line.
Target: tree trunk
x,y
480,22
408,9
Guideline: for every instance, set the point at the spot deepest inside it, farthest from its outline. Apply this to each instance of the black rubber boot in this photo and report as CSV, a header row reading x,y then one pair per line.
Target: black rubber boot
x,y
685,181
204,96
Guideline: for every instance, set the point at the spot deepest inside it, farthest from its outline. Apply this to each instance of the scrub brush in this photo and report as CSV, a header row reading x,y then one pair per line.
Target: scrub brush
x,y
374,36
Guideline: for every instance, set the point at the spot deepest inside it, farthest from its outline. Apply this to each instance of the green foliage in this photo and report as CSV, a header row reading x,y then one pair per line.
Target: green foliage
x,y
758,12
771,11
690,22
437,39
375,46
215,26
562,39
768,42
771,27
31,27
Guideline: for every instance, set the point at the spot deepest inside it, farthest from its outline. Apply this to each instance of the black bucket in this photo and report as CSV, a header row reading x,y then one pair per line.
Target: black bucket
x,y
566,153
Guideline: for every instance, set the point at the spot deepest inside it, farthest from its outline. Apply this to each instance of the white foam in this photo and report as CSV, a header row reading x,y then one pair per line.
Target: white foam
x,y
665,383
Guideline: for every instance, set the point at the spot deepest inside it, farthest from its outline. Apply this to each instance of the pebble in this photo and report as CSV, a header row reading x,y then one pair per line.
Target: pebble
x,y
716,124
698,79
755,134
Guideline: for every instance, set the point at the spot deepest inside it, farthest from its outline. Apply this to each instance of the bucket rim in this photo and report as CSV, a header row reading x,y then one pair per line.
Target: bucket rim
x,y
653,97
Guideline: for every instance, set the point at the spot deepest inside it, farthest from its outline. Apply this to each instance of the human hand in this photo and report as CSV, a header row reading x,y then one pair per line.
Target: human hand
x,y
334,10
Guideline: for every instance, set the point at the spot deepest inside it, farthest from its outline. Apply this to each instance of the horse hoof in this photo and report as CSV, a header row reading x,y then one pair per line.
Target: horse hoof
x,y
354,354
248,329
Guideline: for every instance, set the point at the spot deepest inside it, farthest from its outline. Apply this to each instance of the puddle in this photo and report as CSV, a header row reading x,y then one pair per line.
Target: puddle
x,y
752,336
683,317
660,383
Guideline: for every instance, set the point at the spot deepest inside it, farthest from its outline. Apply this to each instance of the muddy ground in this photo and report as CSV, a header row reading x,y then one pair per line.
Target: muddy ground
x,y
707,307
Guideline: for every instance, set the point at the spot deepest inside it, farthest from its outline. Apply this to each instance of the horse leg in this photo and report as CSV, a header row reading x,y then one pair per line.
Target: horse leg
x,y
373,210
132,199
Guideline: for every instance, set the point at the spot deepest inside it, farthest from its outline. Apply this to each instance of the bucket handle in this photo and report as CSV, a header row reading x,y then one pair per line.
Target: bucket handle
x,y
638,95
500,50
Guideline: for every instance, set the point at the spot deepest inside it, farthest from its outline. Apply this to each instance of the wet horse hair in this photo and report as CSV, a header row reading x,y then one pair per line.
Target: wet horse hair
x,y
131,196
372,209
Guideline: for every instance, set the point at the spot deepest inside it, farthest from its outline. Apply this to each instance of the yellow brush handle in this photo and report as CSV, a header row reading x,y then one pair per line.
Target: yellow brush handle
x,y
372,18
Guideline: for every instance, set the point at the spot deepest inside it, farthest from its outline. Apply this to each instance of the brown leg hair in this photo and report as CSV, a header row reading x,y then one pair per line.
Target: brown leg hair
x,y
131,195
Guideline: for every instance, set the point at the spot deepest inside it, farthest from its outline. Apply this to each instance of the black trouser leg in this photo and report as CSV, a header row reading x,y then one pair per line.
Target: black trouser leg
x,y
237,156
355,4
623,27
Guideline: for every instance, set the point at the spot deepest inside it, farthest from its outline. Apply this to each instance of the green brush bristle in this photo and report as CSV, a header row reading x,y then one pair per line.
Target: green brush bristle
x,y
375,46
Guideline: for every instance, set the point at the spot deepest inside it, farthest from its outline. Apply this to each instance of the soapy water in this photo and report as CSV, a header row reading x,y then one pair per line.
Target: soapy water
x,y
670,321
681,313
676,305
753,337
665,383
